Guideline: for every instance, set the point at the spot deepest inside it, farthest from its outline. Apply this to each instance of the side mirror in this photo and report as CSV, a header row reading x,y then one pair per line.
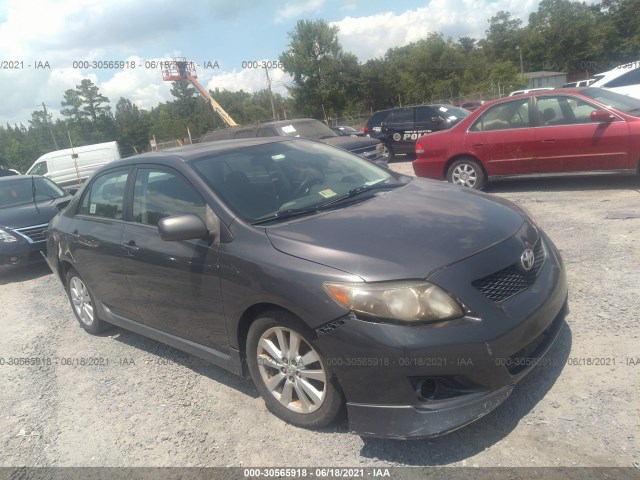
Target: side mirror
x,y
73,190
182,227
600,116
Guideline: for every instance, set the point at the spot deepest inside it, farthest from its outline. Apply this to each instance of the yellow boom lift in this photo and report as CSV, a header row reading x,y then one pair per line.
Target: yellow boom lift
x,y
179,70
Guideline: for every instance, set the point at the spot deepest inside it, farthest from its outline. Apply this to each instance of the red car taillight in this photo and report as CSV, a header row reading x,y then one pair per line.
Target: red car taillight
x,y
419,148
365,130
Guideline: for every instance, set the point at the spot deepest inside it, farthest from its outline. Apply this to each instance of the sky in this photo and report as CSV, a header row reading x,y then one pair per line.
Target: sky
x,y
46,44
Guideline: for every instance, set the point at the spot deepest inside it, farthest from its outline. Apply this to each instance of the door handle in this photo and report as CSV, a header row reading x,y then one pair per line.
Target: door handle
x,y
548,140
130,246
478,144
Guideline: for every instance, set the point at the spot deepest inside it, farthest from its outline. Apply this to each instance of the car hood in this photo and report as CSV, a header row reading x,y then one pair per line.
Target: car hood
x,y
28,215
351,143
405,233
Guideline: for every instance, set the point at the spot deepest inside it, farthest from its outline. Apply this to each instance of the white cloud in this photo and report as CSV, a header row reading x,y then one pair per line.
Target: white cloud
x,y
250,80
371,36
296,8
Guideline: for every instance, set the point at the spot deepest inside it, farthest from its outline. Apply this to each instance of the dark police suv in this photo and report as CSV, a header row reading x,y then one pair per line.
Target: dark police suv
x,y
399,128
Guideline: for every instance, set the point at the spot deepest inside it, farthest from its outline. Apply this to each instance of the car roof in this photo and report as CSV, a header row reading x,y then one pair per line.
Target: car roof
x,y
15,177
188,153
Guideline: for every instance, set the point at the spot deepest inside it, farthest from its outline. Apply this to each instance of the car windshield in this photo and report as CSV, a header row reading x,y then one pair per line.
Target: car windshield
x,y
313,129
277,180
21,191
623,103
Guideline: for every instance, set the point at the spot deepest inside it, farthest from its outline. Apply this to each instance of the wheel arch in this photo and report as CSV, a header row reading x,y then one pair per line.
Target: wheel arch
x,y
250,315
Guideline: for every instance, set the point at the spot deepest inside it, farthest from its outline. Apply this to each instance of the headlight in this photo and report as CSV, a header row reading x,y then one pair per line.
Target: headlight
x,y
6,237
405,301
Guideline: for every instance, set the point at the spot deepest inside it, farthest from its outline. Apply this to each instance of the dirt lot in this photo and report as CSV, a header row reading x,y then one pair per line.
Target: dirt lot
x,y
151,405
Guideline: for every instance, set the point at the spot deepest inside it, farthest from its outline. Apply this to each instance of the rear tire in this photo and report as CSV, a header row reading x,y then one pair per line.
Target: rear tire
x,y
290,373
467,172
83,304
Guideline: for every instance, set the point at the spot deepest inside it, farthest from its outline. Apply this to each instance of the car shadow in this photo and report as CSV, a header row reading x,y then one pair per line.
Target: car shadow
x,y
24,274
560,184
487,431
168,355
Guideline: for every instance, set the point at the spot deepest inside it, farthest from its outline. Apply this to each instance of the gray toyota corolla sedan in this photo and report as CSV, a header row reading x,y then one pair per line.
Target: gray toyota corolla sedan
x,y
330,280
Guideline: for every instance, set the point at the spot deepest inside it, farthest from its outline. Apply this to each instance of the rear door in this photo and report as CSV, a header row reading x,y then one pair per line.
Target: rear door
x,y
174,284
397,128
502,138
568,141
95,236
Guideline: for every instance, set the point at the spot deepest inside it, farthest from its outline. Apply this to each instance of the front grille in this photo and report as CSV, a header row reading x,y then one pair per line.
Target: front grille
x,y
33,234
512,280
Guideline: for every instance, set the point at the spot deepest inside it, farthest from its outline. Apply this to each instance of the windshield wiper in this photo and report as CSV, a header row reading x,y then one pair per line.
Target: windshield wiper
x,y
359,190
292,212
282,214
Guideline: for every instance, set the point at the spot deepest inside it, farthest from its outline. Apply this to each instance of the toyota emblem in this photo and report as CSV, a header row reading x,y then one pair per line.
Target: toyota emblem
x,y
527,259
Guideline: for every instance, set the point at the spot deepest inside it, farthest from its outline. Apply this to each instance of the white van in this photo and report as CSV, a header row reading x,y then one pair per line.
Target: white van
x,y
624,79
65,167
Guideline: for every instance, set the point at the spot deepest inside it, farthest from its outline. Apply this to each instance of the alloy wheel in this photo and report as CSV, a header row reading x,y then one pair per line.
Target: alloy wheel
x,y
81,301
291,370
465,175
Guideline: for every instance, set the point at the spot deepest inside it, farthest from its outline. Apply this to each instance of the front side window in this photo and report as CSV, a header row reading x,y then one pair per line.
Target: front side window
x,y
425,114
562,110
105,196
158,194
22,191
505,116
39,169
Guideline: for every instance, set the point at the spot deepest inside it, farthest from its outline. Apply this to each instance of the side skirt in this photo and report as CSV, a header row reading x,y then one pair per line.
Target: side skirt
x,y
229,361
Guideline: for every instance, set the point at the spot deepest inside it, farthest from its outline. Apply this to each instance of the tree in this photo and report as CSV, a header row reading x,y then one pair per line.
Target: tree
x,y
132,129
323,75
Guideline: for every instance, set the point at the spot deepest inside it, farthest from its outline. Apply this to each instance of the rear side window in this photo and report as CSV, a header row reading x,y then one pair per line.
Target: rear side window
x,y
377,118
158,194
403,115
105,197
505,116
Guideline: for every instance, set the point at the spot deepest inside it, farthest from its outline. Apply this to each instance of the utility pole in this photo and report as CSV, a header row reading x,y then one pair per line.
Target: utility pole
x,y
521,64
46,120
273,108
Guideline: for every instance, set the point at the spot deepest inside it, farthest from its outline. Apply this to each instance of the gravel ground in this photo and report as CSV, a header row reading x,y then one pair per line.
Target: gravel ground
x,y
152,405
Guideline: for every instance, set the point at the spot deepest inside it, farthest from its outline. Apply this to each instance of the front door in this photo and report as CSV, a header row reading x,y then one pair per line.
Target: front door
x,y
175,284
568,141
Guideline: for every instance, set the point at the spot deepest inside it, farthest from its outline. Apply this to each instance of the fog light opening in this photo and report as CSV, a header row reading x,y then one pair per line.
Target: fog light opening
x,y
426,389
14,260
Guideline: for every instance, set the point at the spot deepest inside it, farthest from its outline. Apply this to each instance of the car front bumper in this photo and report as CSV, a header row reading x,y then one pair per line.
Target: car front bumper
x,y
472,364
20,254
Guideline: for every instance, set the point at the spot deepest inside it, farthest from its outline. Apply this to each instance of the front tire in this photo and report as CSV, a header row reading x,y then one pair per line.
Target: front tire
x,y
290,373
387,152
84,304
467,172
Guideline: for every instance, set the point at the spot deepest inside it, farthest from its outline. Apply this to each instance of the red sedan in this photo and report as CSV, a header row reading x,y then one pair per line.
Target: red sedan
x,y
548,132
